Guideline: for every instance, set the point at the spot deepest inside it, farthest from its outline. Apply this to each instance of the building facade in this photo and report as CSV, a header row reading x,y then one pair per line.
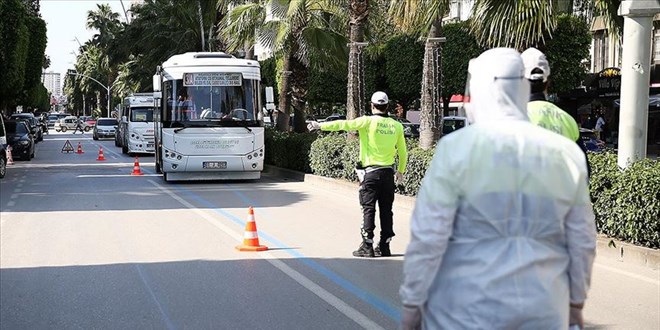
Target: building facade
x,y
52,82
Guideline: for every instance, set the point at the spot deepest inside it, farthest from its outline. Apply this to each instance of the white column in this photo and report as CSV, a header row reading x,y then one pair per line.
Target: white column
x,y
635,77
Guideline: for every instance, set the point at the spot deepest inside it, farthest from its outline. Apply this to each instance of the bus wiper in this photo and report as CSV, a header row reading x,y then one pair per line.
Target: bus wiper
x,y
246,127
177,130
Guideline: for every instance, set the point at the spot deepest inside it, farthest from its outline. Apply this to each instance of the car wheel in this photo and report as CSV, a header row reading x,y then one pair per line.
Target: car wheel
x,y
158,170
57,130
63,129
87,129
124,150
95,137
3,166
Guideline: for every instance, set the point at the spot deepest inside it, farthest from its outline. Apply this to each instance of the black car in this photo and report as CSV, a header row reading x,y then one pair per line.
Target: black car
x,y
33,123
20,139
409,129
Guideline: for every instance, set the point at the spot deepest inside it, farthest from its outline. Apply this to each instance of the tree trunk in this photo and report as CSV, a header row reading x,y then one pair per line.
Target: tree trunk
x,y
298,84
285,95
431,109
355,98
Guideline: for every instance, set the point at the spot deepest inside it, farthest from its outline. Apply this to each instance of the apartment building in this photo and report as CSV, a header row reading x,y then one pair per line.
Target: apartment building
x,y
52,82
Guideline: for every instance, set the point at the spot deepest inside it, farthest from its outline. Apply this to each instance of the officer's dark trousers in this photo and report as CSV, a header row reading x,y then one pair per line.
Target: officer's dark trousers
x,y
377,187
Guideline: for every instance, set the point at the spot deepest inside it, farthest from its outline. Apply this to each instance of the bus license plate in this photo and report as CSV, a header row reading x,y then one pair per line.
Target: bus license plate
x,y
214,165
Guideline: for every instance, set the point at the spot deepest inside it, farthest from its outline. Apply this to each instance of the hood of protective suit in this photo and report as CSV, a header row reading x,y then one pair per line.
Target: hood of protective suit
x,y
497,86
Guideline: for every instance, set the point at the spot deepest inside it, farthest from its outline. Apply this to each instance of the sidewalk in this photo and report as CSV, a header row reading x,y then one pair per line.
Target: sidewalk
x,y
625,253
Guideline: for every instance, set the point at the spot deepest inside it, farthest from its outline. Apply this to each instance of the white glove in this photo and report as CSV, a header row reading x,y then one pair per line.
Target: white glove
x,y
398,177
411,318
313,126
575,317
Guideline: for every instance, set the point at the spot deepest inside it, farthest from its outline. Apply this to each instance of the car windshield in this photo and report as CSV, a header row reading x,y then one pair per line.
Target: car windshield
x,y
14,127
106,122
52,117
142,114
451,125
231,101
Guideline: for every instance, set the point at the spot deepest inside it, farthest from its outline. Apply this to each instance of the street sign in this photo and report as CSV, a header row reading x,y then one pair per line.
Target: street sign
x,y
67,147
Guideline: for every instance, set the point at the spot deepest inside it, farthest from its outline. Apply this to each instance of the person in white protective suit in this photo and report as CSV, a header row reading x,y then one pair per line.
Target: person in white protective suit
x,y
503,233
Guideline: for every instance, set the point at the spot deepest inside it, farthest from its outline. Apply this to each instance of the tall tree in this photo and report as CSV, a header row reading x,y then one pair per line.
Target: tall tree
x,y
520,24
424,17
299,31
355,96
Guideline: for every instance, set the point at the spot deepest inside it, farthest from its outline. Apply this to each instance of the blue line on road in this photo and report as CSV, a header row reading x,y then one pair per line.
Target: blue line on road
x,y
382,306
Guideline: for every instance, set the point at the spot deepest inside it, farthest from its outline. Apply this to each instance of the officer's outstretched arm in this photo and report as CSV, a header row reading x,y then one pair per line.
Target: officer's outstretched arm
x,y
346,125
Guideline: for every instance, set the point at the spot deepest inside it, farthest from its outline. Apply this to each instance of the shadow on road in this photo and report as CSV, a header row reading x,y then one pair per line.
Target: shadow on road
x,y
198,294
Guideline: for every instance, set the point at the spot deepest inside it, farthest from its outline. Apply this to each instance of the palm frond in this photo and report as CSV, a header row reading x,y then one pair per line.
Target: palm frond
x,y
512,23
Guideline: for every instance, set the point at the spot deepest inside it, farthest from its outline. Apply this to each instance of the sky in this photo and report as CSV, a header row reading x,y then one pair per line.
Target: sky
x,y
65,20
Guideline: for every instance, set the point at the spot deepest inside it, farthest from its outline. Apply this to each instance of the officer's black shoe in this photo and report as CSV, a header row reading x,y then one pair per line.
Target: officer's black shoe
x,y
366,250
382,250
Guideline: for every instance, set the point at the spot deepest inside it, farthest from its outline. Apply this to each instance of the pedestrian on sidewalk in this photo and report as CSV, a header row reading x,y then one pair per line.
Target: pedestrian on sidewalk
x,y
381,140
503,233
539,110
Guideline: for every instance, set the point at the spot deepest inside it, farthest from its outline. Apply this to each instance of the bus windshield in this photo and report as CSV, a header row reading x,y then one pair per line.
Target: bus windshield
x,y
210,105
142,114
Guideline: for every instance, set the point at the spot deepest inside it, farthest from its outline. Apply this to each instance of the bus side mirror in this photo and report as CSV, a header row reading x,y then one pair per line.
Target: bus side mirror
x,y
158,95
123,118
156,83
269,95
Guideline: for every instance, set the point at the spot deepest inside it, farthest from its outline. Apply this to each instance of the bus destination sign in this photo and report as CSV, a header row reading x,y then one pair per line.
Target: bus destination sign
x,y
212,79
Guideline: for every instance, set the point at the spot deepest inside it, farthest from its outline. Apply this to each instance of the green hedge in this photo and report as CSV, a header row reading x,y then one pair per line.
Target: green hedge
x,y
626,203
288,150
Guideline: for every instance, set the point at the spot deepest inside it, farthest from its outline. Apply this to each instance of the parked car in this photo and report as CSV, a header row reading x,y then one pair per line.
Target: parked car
x,y
3,149
453,123
89,120
335,116
20,139
70,123
409,129
104,128
590,141
33,124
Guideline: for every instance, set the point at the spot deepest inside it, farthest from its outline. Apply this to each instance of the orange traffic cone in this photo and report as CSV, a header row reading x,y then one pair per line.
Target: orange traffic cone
x,y
136,167
250,238
80,151
101,157
10,159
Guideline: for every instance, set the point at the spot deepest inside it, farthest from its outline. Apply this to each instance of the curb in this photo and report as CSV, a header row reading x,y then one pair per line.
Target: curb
x,y
628,253
622,251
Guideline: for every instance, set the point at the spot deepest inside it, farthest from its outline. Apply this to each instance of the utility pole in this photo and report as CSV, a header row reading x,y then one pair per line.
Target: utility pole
x,y
635,77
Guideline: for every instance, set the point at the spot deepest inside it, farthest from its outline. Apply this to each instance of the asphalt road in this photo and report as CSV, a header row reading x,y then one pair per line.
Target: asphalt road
x,y
83,244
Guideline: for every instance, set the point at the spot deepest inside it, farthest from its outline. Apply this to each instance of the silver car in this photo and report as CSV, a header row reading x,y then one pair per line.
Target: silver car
x,y
104,128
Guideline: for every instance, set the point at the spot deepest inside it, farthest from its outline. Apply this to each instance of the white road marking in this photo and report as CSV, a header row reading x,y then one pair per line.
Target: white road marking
x,y
13,196
308,284
633,275
112,175
11,203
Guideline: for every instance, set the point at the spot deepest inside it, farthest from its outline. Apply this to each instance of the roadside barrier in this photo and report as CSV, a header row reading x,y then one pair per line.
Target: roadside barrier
x,y
250,238
80,151
136,167
101,157
10,159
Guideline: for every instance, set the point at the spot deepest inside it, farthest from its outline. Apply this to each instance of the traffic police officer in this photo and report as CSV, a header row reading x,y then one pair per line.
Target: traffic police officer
x,y
381,140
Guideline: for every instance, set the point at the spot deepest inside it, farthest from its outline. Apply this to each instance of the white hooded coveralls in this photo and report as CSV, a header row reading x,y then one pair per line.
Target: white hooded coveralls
x,y
503,233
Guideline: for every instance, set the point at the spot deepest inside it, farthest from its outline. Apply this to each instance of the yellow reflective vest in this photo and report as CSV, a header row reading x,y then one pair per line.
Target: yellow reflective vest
x,y
381,139
551,117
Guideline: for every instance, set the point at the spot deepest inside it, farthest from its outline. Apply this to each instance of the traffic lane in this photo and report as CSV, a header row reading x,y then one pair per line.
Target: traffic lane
x,y
318,234
57,178
623,296
78,267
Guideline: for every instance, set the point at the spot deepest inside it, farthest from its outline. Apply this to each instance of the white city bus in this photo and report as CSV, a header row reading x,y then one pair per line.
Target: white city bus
x,y
207,125
135,130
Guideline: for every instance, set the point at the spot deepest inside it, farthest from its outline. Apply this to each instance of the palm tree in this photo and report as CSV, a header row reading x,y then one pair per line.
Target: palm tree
x,y
106,22
301,30
521,24
358,16
424,17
